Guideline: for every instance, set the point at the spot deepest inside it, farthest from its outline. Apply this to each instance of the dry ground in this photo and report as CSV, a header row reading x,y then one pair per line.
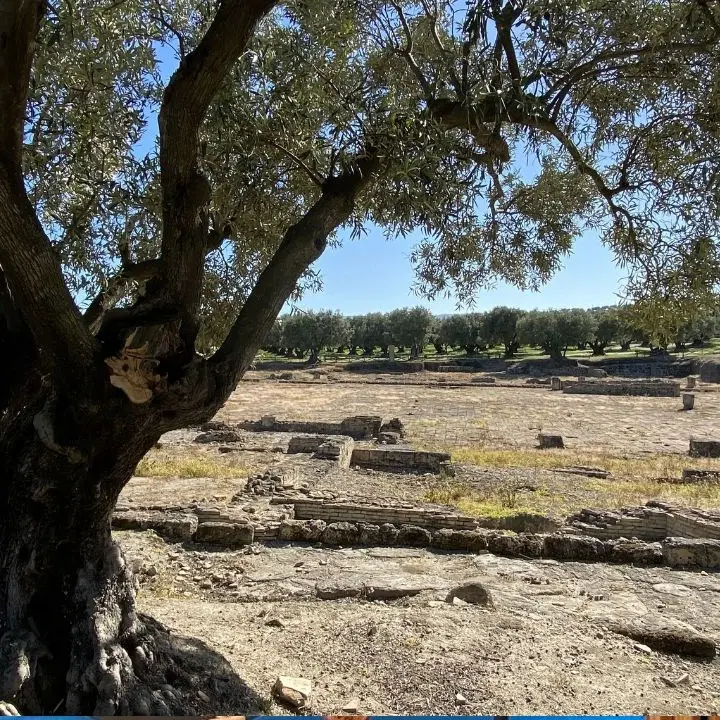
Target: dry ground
x,y
497,417
545,648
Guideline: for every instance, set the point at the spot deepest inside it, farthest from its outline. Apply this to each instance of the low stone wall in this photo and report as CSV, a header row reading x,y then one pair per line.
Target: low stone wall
x,y
219,529
360,427
346,512
647,389
673,552
656,521
401,461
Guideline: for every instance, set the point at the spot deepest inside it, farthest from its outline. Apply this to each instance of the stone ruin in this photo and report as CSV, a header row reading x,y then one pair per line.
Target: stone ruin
x,y
657,534
655,521
359,427
653,388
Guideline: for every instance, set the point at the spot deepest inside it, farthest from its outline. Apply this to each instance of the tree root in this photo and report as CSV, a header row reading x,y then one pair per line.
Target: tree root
x,y
116,662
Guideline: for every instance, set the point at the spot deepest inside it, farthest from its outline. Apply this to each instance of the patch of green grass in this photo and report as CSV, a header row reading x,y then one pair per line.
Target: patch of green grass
x,y
496,503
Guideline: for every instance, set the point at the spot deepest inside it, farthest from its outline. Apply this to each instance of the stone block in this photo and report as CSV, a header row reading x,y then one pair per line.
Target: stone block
x,y
690,475
700,447
573,547
546,441
230,535
515,545
691,553
340,533
634,552
175,527
413,536
459,540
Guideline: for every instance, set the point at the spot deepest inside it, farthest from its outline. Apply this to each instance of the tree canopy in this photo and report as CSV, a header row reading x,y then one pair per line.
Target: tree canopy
x,y
442,104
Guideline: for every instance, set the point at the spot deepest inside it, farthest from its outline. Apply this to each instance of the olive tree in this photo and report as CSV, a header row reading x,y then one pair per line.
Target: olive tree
x,y
280,125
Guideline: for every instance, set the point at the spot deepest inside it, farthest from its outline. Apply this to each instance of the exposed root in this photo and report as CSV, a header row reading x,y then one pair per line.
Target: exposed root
x,y
118,663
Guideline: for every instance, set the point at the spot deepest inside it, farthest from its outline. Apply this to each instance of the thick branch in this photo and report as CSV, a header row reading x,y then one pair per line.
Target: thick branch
x,y
107,298
19,23
185,191
35,280
302,244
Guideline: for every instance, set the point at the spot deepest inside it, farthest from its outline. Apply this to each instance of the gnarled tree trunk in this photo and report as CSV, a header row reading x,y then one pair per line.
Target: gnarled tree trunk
x,y
70,640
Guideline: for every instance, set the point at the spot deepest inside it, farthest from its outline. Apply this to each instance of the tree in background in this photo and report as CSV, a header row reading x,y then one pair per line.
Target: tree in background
x,y
409,327
467,331
554,330
281,125
313,332
604,329
501,323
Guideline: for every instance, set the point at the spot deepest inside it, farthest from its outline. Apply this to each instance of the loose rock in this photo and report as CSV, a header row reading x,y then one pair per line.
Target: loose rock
x,y
292,690
473,592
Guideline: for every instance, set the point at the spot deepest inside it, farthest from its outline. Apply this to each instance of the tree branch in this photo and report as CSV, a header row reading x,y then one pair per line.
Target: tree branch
x,y
302,244
185,191
32,270
19,24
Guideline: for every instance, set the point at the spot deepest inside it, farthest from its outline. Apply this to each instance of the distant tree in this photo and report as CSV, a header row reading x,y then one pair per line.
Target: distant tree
x,y
410,327
467,331
274,339
314,331
501,324
554,330
375,333
604,329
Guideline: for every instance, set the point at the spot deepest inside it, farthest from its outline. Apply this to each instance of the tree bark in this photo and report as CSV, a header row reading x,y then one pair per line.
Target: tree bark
x,y
70,638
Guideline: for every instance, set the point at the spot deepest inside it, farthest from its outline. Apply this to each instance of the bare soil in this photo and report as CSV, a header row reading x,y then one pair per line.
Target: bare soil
x,y
545,647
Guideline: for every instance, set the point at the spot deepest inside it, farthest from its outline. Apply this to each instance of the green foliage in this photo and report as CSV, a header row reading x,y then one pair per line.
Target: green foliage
x,y
617,101
409,327
554,330
501,324
314,331
468,332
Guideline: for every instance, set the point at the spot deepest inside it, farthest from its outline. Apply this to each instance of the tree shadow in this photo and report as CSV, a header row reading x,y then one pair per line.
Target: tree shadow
x,y
206,681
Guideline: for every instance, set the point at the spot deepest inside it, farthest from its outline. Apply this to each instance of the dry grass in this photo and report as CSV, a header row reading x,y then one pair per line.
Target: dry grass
x,y
190,465
648,467
470,501
570,496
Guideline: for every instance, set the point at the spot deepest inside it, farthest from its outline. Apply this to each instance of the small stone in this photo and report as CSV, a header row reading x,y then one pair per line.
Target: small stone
x,y
203,696
643,648
667,681
299,563
205,585
684,678
473,592
292,690
151,571
323,562
460,699
351,706
274,622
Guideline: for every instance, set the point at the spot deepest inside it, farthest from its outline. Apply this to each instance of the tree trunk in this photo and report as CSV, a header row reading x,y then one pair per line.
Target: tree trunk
x,y
598,348
70,639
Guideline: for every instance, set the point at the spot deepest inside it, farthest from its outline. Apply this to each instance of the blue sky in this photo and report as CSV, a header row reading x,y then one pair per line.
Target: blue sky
x,y
372,274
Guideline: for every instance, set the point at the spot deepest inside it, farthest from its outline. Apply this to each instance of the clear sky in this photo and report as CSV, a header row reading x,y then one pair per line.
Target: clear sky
x,y
372,274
